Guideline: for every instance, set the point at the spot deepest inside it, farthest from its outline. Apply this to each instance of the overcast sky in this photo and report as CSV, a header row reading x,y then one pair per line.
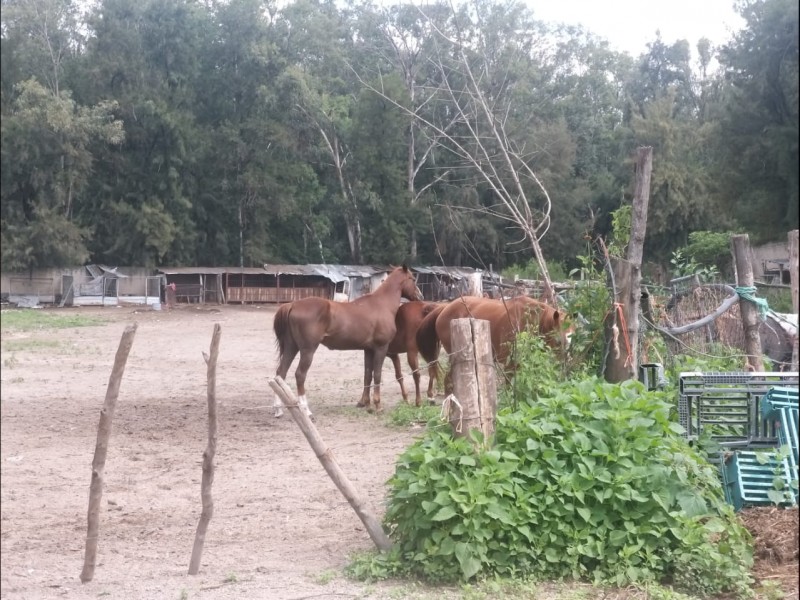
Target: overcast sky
x,y
630,24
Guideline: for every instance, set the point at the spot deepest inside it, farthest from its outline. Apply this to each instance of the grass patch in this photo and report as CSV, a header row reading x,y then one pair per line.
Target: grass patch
x,y
30,345
406,415
325,577
37,320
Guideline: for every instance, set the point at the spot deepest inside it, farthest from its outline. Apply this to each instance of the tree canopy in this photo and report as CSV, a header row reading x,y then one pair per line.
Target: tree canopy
x,y
240,132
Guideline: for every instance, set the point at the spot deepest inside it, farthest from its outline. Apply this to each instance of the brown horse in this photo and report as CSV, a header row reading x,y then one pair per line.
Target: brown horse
x,y
506,319
367,323
407,321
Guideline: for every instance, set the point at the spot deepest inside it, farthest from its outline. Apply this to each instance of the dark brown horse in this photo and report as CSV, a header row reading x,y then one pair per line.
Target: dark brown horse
x,y
506,319
367,323
407,321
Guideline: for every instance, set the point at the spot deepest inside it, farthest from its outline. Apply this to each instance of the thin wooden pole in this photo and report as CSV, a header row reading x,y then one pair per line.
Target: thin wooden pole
x,y
208,456
101,451
794,267
740,245
325,456
473,374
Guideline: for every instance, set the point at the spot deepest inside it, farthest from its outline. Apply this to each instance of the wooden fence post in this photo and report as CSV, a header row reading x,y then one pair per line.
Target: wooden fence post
x,y
740,245
101,451
794,265
474,381
622,325
325,456
208,456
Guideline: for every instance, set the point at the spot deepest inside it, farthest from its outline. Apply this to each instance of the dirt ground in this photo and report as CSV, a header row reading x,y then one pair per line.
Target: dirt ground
x,y
281,530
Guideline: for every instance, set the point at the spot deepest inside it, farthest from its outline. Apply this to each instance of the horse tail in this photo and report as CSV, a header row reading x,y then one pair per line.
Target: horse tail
x,y
280,325
428,341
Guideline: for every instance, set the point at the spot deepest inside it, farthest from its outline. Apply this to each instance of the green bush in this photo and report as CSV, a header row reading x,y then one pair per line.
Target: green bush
x,y
591,481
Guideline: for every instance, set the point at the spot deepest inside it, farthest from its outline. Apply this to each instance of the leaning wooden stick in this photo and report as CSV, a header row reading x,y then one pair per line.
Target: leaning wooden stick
x,y
325,456
101,450
208,455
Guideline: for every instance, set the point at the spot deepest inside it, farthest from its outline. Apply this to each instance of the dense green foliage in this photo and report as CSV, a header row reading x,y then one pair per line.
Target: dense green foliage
x,y
590,481
244,131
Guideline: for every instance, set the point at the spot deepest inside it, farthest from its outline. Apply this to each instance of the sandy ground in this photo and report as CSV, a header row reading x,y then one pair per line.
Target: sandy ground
x,y
281,529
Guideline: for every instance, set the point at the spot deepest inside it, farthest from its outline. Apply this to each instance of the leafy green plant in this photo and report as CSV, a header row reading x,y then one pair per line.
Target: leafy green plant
x,y
683,266
621,223
591,481
780,492
711,248
587,303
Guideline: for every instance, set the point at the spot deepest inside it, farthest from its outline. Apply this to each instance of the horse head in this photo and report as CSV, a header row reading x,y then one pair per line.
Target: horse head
x,y
408,284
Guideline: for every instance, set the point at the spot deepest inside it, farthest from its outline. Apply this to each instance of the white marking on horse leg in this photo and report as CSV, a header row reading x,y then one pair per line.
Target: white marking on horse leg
x,y
303,402
277,406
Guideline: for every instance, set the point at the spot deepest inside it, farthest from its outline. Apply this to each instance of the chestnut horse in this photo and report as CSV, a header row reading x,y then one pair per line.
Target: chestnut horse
x,y
506,319
366,323
407,321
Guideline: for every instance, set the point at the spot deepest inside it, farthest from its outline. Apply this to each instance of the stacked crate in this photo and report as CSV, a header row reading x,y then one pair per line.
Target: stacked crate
x,y
751,477
754,419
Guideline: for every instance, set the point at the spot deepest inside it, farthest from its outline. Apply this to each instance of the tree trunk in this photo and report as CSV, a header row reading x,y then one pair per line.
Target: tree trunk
x,y
740,245
622,325
641,200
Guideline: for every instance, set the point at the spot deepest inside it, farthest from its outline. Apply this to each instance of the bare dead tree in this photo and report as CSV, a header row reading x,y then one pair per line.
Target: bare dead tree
x,y
474,129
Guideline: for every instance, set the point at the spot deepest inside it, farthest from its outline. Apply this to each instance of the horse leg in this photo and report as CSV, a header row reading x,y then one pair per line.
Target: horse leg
x,y
290,351
306,356
398,373
413,362
377,364
369,357
431,385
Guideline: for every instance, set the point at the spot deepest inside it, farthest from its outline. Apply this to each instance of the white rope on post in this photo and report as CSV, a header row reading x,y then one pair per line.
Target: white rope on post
x,y
445,413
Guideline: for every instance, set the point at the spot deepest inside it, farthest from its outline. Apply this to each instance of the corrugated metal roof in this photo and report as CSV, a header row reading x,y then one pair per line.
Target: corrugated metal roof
x,y
210,270
454,272
335,273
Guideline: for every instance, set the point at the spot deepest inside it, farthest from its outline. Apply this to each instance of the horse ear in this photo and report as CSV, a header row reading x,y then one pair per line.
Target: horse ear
x,y
405,268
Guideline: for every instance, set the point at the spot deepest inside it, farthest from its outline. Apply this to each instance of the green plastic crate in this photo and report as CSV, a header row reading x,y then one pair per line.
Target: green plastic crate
x,y
747,481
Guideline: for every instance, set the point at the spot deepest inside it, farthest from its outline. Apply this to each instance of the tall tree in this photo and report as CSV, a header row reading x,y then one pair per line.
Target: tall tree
x,y
46,167
758,127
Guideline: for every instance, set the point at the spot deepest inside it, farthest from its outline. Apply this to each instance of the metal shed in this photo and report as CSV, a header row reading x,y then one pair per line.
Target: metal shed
x,y
335,282
448,283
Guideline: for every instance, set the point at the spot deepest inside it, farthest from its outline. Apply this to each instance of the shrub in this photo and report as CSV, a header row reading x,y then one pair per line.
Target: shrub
x,y
592,481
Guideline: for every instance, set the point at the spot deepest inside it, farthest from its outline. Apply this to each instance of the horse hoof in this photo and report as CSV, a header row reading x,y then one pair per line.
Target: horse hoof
x,y
278,413
362,405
